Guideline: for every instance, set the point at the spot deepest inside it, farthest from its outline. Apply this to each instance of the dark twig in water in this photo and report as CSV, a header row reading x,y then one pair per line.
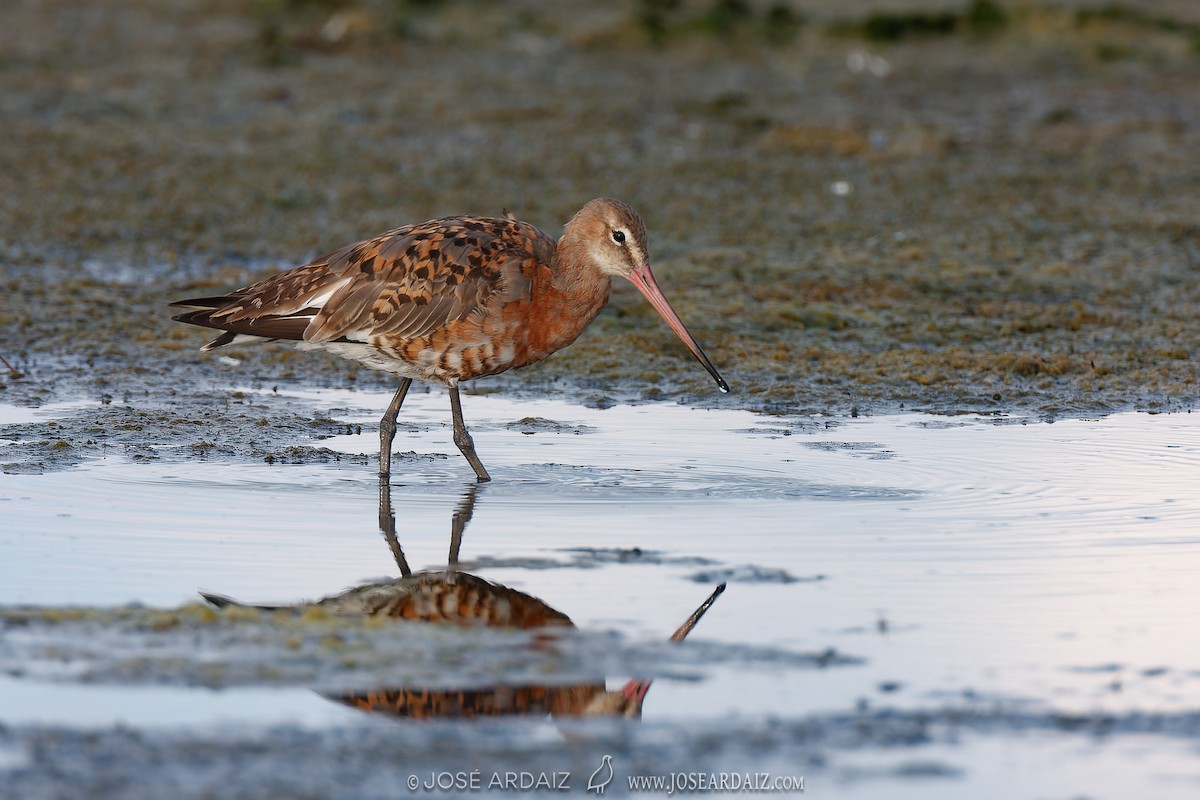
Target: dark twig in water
x,y
12,371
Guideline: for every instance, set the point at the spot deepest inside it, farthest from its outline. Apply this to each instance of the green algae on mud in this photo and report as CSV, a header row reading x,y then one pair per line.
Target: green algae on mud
x,y
957,223
198,645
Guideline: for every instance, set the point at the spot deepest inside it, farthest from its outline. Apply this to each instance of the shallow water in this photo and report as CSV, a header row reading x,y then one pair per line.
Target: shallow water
x,y
962,562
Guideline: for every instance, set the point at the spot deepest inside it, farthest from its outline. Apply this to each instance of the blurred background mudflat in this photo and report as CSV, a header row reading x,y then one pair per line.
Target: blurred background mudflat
x,y
938,205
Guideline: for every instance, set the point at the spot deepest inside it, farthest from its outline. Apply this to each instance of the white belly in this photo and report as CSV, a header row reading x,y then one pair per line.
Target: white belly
x,y
373,358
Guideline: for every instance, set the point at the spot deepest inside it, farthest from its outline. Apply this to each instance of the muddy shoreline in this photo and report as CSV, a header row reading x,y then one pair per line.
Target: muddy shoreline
x,y
984,219
361,761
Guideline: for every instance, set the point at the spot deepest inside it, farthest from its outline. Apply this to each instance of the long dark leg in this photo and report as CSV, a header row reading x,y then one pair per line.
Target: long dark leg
x,y
387,524
387,428
458,523
463,439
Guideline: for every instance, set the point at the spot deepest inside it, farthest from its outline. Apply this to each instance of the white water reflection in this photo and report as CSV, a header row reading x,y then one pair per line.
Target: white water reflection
x,y
965,559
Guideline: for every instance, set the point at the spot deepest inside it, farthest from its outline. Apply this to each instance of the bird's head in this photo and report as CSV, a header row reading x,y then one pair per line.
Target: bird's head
x,y
614,239
624,702
613,236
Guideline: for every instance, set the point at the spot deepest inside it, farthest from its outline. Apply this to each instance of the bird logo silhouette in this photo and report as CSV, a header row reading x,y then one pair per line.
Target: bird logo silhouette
x,y
602,777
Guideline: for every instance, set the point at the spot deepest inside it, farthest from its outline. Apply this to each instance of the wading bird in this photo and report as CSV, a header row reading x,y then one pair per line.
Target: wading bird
x,y
449,300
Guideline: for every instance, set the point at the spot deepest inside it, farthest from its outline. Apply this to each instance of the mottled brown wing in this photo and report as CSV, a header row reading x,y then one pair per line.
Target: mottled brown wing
x,y
410,282
455,703
407,283
457,597
492,701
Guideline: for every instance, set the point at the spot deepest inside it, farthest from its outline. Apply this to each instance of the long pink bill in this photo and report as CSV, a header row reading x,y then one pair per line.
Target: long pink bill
x,y
636,689
643,279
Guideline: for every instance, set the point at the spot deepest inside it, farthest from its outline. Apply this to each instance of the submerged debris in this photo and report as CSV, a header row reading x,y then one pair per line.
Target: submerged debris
x,y
751,573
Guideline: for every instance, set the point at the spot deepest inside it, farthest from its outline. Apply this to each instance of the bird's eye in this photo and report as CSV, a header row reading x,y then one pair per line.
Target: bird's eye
x,y
619,237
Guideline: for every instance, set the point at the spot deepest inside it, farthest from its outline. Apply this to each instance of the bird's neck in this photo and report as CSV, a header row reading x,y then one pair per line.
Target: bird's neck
x,y
578,289
568,292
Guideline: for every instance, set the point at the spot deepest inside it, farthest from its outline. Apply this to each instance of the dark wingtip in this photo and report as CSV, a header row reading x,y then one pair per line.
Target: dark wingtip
x,y
203,302
218,600
197,316
225,601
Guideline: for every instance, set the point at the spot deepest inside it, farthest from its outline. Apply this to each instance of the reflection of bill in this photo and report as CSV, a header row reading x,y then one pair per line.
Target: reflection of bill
x,y
602,777
460,598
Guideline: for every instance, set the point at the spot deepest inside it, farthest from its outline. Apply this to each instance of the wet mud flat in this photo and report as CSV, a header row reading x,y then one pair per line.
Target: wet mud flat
x,y
889,205
361,761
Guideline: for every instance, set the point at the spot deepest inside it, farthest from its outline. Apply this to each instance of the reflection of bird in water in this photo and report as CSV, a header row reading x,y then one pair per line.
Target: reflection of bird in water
x,y
468,600
449,300
456,597
437,596
599,780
